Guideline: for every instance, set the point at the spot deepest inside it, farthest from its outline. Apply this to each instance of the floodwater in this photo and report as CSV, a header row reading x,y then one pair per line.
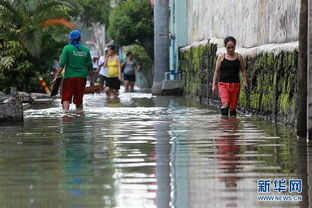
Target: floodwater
x,y
145,151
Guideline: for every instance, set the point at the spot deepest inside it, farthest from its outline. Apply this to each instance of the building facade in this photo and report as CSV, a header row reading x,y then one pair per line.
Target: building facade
x,y
252,22
178,32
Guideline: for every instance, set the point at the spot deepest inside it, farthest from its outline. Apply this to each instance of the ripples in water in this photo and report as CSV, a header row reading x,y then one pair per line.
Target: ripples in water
x,y
144,151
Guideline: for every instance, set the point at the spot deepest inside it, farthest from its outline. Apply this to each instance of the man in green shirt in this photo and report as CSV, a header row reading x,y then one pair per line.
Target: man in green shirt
x,y
77,62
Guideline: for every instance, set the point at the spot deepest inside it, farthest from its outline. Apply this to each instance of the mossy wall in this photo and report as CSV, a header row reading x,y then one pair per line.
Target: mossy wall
x,y
272,78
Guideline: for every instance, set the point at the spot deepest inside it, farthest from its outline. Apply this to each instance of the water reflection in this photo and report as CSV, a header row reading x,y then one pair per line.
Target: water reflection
x,y
309,177
11,127
162,165
77,150
113,102
79,175
303,170
228,152
145,151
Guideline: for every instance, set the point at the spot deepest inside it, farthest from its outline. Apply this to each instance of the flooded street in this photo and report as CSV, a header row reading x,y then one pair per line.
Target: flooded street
x,y
145,151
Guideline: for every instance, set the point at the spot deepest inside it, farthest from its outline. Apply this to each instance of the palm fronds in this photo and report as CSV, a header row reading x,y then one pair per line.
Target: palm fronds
x,y
7,62
23,20
33,42
44,8
9,13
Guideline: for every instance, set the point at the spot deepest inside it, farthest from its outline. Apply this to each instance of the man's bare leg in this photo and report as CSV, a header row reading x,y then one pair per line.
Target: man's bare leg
x,y
131,86
126,85
107,91
66,105
116,93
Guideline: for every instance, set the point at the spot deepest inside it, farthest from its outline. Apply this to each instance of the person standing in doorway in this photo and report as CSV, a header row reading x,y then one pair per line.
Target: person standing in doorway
x,y
103,71
114,72
77,62
228,66
130,68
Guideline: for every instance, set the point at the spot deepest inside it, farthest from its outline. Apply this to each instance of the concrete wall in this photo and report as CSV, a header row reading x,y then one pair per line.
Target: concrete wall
x,y
267,32
272,74
178,27
251,22
181,26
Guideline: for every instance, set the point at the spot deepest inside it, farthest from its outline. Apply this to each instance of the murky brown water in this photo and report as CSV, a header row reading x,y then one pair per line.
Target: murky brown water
x,y
145,151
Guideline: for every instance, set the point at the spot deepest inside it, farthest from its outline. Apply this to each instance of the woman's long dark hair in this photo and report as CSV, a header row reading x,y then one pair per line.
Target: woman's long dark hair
x,y
228,39
112,47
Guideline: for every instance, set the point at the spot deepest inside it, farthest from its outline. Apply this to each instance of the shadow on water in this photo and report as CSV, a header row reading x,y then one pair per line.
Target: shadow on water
x,y
146,151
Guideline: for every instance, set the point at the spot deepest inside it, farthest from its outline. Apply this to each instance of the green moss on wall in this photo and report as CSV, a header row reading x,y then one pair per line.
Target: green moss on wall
x,y
272,78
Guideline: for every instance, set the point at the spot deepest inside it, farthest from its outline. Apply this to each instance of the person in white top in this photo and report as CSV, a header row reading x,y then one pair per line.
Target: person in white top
x,y
103,71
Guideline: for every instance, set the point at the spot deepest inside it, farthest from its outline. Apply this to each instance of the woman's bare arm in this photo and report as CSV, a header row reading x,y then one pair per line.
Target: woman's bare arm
x,y
216,74
119,67
123,63
106,61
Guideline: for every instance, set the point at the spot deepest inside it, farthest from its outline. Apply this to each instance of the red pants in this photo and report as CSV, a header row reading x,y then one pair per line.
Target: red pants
x,y
229,93
73,87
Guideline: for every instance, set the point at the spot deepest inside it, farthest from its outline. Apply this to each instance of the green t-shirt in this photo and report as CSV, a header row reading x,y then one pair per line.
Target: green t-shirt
x,y
77,63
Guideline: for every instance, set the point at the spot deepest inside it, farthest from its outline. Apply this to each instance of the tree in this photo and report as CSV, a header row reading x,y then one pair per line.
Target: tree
x,y
131,22
94,11
25,19
30,38
22,31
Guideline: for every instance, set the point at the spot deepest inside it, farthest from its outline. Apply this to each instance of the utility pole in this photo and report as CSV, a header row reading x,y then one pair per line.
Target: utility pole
x,y
161,43
302,71
310,72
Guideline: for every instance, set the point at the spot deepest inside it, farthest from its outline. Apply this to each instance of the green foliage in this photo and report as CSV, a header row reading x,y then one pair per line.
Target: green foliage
x,y
94,11
139,54
24,18
131,22
272,79
7,62
28,47
23,39
145,77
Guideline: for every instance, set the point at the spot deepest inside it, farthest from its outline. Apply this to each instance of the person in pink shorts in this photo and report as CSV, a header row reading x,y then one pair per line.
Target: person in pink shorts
x,y
227,69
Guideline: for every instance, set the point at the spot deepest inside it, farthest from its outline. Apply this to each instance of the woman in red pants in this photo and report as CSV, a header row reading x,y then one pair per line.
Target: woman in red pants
x,y
228,66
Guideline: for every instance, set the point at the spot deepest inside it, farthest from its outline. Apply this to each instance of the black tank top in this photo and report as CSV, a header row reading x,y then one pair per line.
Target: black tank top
x,y
230,71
